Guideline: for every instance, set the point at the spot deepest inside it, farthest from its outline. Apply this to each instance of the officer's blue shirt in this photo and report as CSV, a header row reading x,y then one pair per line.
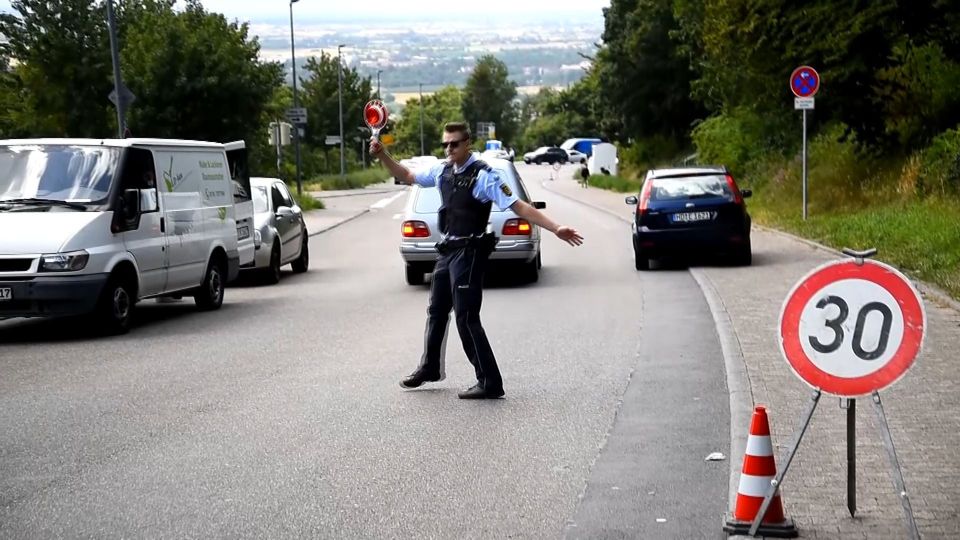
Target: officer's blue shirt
x,y
488,187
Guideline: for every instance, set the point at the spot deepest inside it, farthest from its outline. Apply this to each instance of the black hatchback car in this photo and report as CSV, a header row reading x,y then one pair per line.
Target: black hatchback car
x,y
690,211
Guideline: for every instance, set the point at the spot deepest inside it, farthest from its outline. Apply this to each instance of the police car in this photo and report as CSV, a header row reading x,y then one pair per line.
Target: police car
x,y
519,240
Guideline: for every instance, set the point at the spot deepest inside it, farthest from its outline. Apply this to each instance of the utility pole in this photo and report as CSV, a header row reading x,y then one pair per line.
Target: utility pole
x,y
296,102
118,88
422,151
379,71
343,162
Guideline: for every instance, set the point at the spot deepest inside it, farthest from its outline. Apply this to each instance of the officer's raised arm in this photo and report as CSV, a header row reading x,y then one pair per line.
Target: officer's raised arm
x,y
398,171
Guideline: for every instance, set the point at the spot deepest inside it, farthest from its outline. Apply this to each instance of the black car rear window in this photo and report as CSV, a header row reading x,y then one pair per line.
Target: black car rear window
x,y
690,187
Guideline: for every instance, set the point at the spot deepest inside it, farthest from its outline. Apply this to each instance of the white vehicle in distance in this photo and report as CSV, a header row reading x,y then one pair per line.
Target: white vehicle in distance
x,y
95,226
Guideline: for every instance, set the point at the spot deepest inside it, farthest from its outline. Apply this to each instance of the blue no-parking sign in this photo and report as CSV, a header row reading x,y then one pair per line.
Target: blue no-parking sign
x,y
804,82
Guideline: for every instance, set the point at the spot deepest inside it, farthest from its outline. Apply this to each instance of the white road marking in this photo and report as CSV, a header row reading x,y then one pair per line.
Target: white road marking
x,y
382,203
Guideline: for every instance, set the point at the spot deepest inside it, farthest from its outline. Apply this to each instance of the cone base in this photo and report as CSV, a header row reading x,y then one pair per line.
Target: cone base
x,y
786,529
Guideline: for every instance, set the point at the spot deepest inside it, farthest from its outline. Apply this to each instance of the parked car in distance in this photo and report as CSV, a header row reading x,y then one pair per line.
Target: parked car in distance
x,y
280,230
417,164
546,154
690,211
519,240
576,156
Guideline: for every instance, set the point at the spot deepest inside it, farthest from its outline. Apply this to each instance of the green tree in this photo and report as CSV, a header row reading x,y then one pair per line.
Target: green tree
x,y
319,97
63,68
441,107
195,75
489,97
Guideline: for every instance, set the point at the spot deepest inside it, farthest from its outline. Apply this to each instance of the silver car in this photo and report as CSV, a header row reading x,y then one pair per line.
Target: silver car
x,y
519,241
280,231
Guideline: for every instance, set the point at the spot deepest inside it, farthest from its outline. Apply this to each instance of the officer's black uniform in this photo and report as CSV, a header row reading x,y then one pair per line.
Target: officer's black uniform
x,y
458,277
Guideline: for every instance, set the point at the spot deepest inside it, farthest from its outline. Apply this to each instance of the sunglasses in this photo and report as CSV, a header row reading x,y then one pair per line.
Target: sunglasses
x,y
451,144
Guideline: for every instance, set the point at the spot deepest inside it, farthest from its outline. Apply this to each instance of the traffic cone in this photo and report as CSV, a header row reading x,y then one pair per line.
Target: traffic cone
x,y
759,469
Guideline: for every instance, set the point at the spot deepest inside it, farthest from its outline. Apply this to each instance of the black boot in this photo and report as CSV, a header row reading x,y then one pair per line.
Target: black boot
x,y
419,377
477,391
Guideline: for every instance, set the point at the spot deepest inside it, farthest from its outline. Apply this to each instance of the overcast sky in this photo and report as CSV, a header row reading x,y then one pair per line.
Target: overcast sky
x,y
335,9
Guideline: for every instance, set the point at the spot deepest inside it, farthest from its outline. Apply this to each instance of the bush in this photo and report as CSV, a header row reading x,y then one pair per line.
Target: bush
x,y
352,180
650,152
940,165
739,138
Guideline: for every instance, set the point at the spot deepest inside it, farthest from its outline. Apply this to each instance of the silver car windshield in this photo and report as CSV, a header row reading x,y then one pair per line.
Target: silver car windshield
x,y
260,202
428,200
74,174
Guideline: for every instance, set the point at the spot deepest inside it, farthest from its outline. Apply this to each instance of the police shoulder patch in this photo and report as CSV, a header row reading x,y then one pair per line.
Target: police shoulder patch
x,y
506,190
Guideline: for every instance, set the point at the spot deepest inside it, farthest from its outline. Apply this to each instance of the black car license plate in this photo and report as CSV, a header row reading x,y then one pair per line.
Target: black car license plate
x,y
691,217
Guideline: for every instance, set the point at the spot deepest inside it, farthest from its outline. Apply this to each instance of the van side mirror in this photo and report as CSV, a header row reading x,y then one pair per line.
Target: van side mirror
x,y
746,193
148,200
539,205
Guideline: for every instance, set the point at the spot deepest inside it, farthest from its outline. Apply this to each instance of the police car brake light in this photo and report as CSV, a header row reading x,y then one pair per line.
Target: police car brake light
x,y
415,229
514,227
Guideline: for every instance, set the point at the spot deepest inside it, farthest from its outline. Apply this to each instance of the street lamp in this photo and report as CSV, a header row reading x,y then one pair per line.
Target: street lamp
x,y
379,71
118,88
422,152
296,102
343,162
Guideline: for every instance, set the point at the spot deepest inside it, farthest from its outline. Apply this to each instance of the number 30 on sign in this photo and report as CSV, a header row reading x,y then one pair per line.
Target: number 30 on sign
x,y
851,329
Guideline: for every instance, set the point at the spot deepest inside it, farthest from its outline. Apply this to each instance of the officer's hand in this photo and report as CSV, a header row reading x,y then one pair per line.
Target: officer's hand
x,y
376,147
569,235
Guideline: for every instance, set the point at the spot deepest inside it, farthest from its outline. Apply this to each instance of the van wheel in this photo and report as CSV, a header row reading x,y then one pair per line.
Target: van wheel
x,y
302,263
209,296
271,275
115,306
415,275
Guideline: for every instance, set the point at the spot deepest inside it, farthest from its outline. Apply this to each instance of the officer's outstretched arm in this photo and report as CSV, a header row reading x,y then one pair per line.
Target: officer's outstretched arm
x,y
531,214
397,170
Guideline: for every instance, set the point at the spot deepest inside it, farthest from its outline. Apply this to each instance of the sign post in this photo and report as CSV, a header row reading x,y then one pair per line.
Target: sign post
x,y
804,83
851,328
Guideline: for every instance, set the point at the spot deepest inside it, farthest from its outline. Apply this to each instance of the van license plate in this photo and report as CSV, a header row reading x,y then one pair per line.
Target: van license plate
x,y
688,217
243,233
6,294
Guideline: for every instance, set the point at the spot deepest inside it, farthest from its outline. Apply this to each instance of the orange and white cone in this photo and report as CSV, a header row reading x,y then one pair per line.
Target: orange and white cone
x,y
759,468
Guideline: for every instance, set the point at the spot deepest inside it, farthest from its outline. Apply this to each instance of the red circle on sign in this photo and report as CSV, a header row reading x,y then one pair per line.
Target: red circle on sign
x,y
804,82
914,324
375,114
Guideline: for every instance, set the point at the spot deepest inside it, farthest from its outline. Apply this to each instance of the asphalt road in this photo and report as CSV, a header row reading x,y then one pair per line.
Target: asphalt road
x,y
280,415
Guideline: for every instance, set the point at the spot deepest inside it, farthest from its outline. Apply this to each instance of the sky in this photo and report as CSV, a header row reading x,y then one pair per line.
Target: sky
x,y
336,10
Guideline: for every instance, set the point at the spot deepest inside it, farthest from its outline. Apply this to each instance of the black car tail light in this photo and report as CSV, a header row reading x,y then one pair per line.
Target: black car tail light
x,y
415,229
737,197
644,201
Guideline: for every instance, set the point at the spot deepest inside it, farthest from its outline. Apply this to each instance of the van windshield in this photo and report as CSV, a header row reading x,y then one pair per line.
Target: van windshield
x,y
73,174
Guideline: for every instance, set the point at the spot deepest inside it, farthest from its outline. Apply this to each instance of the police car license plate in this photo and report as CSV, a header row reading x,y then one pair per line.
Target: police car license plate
x,y
6,293
690,217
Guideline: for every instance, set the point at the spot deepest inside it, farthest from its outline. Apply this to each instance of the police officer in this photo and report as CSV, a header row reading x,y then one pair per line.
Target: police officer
x,y
468,187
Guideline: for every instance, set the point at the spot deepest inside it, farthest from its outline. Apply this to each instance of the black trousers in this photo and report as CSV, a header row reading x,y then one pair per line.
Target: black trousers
x,y
458,284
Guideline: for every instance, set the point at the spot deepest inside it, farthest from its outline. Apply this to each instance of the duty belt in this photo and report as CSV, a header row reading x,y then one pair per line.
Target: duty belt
x,y
487,240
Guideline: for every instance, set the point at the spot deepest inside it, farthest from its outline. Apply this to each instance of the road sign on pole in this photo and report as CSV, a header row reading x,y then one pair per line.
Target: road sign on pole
x,y
297,115
804,82
852,329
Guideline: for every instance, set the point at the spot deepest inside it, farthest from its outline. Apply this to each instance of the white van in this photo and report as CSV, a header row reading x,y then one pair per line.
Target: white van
x,y
90,225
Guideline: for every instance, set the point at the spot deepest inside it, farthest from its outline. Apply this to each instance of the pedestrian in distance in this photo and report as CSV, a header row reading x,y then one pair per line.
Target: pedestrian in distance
x,y
584,174
468,187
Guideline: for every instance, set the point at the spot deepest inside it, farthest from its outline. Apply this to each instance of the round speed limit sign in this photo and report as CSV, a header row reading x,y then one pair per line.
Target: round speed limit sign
x,y
852,329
